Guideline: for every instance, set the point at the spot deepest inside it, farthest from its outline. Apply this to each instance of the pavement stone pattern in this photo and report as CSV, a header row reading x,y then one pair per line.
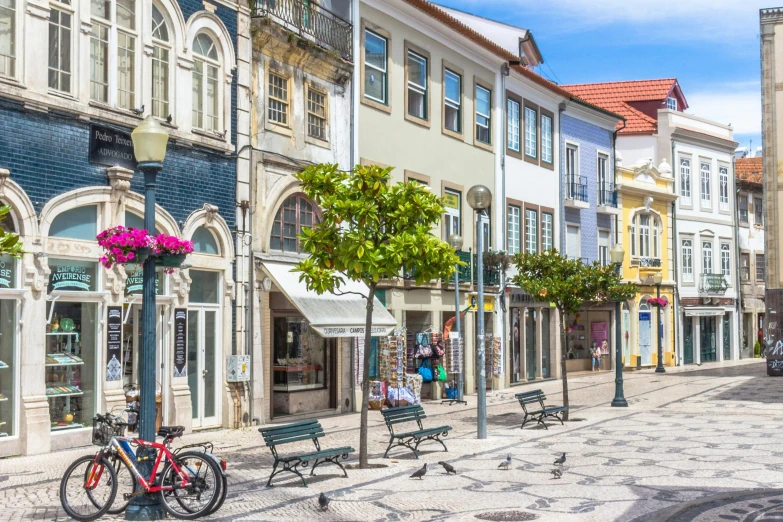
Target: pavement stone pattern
x,y
696,443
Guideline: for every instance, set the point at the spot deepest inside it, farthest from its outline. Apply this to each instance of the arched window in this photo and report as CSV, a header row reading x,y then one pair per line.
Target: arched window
x,y
160,64
113,41
206,95
76,223
646,237
295,213
8,41
204,242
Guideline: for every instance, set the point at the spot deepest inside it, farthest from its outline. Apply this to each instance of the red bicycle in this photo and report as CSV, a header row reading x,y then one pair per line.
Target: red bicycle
x,y
190,485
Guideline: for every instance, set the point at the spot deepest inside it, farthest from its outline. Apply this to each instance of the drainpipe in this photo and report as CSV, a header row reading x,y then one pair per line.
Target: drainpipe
x,y
676,293
738,305
560,108
352,162
504,71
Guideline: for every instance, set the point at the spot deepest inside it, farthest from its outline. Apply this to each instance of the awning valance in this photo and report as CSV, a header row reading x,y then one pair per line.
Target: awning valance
x,y
329,314
704,312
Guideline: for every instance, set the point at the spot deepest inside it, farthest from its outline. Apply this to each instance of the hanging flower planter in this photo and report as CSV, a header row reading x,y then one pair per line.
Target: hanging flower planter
x,y
125,246
658,302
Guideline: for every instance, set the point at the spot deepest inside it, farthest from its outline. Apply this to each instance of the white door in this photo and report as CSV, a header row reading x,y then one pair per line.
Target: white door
x,y
485,231
203,365
645,334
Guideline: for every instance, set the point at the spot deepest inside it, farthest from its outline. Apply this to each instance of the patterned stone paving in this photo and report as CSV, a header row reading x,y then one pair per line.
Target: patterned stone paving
x,y
698,444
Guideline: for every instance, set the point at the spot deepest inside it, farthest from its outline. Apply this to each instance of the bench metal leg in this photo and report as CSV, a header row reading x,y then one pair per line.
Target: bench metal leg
x,y
406,443
542,420
331,460
436,438
524,421
286,467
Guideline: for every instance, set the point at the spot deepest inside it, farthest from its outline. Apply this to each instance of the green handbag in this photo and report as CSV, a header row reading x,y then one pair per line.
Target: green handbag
x,y
441,373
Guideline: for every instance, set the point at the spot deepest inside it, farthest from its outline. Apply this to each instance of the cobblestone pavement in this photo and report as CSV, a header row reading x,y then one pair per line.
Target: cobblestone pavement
x,y
698,444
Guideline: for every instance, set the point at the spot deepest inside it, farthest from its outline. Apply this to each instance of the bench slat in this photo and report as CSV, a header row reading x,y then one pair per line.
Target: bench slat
x,y
290,427
419,433
327,453
404,418
277,442
406,415
391,411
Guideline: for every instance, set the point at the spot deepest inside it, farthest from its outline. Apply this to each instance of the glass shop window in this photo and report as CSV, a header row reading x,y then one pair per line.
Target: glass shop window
x,y
300,356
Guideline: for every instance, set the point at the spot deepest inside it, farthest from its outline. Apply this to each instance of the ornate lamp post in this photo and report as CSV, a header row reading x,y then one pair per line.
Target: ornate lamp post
x,y
616,255
658,279
455,242
149,147
480,198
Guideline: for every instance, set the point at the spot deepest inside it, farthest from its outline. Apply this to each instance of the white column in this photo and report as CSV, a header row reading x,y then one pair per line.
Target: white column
x,y
696,340
719,348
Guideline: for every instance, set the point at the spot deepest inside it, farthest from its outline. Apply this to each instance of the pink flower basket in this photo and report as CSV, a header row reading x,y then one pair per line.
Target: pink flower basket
x,y
132,245
661,302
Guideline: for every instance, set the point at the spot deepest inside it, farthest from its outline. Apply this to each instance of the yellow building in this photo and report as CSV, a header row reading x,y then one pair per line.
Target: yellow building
x,y
645,195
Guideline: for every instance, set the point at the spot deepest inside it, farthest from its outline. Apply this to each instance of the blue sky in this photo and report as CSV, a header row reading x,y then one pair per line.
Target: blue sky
x,y
710,46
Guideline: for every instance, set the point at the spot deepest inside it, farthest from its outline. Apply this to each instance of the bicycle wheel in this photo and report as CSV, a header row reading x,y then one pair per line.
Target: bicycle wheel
x,y
126,485
88,499
199,494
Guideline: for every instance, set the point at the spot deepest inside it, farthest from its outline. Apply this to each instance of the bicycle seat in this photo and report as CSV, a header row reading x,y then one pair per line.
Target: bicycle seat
x,y
171,432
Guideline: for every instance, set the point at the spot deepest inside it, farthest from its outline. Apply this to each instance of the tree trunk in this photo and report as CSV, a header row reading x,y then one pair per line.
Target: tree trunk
x,y
563,359
363,461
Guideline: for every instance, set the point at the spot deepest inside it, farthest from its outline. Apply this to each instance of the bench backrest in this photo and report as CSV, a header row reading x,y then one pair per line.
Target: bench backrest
x,y
534,398
305,430
394,416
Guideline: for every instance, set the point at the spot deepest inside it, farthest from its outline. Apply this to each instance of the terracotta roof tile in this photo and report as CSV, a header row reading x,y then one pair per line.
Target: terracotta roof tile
x,y
748,170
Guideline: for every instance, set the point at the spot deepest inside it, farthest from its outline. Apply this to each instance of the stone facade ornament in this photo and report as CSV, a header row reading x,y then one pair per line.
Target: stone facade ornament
x,y
181,286
119,180
648,201
665,169
36,275
211,212
4,175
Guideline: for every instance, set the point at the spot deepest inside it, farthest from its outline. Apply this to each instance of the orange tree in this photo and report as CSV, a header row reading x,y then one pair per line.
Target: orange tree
x,y
568,284
370,230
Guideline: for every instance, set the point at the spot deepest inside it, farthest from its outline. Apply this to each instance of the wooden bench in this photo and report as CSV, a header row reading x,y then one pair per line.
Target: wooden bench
x,y
411,439
532,403
299,431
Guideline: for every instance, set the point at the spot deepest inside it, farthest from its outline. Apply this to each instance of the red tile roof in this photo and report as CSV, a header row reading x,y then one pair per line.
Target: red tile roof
x,y
617,96
748,170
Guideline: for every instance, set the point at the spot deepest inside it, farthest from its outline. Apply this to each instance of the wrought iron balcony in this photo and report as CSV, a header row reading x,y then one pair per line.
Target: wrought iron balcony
x,y
576,191
713,284
653,262
491,275
607,195
310,21
465,272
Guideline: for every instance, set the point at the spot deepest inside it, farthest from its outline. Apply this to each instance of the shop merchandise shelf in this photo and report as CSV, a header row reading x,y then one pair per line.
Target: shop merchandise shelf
x,y
298,387
70,394
67,426
289,369
65,364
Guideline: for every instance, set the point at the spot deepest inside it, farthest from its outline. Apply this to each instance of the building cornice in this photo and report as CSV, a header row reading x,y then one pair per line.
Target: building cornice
x,y
706,140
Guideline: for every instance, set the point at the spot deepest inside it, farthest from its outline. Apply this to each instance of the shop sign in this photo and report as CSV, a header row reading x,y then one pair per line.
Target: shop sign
x,y
180,342
7,272
489,303
519,297
111,147
114,343
351,331
71,277
134,283
451,200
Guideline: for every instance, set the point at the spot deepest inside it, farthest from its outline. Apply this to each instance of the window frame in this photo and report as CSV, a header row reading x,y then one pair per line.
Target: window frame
x,y
519,206
537,233
602,176
446,186
382,105
316,219
68,9
478,83
578,241
311,86
543,113
686,179
687,276
421,53
513,98
669,100
218,65
653,247
707,241
743,196
724,207
758,210
170,47
272,125
546,211
604,259
763,265
530,106
17,41
705,203
744,268
725,250
447,68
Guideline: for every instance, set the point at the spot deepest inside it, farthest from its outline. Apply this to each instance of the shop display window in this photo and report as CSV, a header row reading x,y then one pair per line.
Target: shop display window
x,y
204,287
71,354
8,368
299,361
72,276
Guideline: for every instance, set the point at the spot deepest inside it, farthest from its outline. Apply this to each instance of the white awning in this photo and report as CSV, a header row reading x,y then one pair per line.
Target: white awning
x,y
329,314
703,312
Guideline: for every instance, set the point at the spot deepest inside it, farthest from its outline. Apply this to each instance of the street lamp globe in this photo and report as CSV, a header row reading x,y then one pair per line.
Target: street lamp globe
x,y
658,278
617,254
455,241
479,197
149,141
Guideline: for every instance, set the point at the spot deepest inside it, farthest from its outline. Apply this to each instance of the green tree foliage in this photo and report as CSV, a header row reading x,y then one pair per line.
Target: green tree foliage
x,y
569,284
9,242
370,230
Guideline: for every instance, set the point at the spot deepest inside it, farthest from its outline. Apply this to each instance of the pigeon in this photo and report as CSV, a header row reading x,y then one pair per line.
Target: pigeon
x,y
323,502
420,473
448,467
138,111
506,463
560,460
169,118
557,473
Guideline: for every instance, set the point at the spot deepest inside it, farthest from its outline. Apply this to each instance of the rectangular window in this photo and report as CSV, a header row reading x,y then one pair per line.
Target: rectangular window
x,y
758,212
742,208
316,114
513,125
99,63
706,257
671,103
452,102
212,98
59,50
546,138
7,37
416,70
723,173
760,267
603,247
514,214
572,171
725,260
685,181
531,132
644,235
278,99
531,231
745,266
633,237
604,194
547,231
573,249
375,67
705,184
453,216
483,115
126,71
687,260
160,82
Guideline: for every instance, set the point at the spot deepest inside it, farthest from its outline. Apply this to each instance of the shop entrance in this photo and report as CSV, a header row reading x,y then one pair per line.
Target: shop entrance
x,y
709,339
645,334
726,338
203,365
687,334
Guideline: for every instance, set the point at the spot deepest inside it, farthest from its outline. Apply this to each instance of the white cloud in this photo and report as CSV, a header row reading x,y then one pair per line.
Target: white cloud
x,y
737,103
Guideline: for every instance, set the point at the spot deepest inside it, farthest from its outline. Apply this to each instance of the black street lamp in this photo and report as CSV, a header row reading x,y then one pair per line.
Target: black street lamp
x,y
616,255
658,279
149,147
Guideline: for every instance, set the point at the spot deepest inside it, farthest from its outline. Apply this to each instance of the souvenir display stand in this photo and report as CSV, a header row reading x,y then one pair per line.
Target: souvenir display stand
x,y
454,363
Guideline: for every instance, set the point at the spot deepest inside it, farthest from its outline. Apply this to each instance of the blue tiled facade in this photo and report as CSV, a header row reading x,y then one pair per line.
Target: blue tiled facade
x,y
591,139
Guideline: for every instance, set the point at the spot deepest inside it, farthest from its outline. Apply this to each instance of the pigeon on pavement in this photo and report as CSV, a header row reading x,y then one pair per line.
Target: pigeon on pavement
x,y
420,473
557,473
506,463
323,502
448,467
560,460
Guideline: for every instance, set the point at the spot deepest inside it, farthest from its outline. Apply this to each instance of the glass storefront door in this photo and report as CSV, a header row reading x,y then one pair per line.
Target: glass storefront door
x,y
203,347
687,336
131,346
726,337
9,368
545,334
709,339
645,334
516,336
531,366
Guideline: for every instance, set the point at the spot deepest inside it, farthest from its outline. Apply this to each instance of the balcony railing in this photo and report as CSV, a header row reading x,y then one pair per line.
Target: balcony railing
x,y
607,195
310,21
653,262
713,283
491,275
576,188
465,272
